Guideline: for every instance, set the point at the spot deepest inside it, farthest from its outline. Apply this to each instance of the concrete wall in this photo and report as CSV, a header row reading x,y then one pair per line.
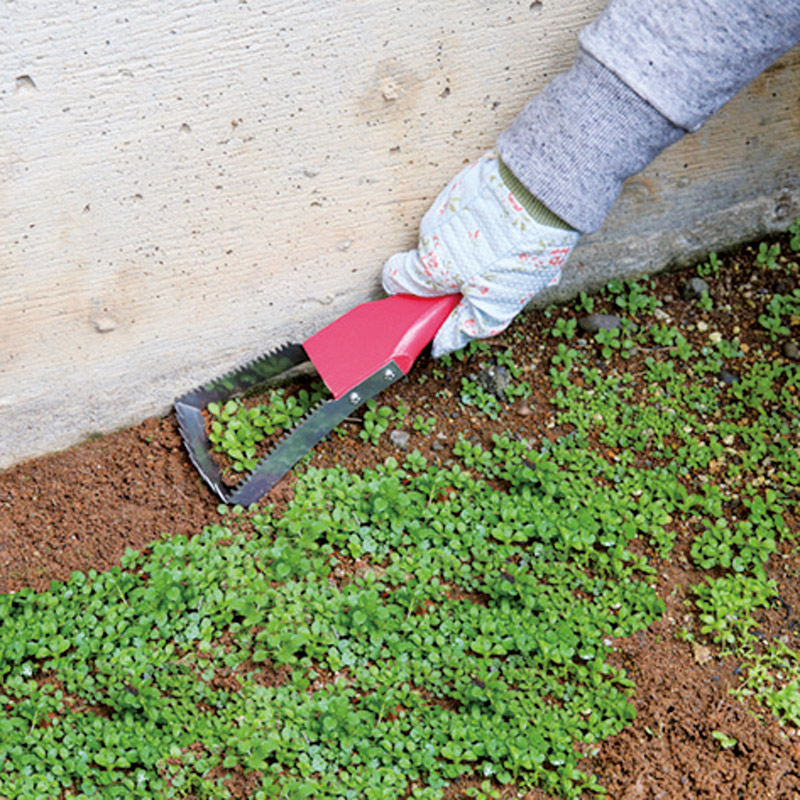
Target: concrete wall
x,y
185,184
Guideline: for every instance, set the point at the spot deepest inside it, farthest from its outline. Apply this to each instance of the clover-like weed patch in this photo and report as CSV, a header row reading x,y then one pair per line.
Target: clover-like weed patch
x,y
395,628
475,639
236,430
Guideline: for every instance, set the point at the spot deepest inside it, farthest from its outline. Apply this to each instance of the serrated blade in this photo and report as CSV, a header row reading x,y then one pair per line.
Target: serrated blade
x,y
247,377
310,430
347,354
189,407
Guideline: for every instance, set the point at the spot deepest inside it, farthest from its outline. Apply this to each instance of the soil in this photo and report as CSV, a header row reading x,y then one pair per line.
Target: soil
x,y
80,510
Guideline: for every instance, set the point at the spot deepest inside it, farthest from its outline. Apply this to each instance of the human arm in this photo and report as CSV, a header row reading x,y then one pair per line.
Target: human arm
x,y
647,73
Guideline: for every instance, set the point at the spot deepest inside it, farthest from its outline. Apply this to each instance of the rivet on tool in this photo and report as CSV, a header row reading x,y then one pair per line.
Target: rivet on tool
x,y
355,398
388,374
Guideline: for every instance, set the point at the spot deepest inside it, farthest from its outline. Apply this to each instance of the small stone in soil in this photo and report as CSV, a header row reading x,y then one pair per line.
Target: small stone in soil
x,y
599,322
702,654
400,439
494,379
727,378
791,350
694,289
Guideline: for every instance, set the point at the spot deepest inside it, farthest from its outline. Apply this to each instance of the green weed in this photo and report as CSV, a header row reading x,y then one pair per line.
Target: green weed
x,y
778,308
564,327
711,267
794,233
147,680
236,430
376,421
474,636
767,255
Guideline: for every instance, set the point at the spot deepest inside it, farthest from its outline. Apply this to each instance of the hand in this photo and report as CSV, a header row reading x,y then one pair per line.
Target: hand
x,y
479,239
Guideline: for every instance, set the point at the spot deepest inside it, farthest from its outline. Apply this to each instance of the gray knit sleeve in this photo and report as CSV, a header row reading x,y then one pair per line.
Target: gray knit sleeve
x,y
647,72
688,58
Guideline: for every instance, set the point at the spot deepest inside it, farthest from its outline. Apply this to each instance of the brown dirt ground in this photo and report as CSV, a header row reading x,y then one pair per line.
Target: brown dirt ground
x,y
81,508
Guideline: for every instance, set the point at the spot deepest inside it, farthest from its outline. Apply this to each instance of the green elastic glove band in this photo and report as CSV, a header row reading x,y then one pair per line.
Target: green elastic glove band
x,y
540,212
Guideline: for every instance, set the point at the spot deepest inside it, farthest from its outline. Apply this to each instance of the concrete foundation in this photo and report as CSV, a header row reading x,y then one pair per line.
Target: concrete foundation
x,y
185,185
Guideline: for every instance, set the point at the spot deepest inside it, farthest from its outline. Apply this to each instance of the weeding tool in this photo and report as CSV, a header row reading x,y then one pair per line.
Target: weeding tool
x,y
356,356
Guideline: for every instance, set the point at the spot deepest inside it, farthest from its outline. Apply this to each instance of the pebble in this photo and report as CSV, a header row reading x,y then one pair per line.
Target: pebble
x,y
494,379
727,377
702,654
524,411
599,322
694,289
400,439
791,350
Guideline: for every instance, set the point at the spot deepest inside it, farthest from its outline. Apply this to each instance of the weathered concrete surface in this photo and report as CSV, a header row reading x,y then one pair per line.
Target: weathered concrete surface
x,y
736,179
183,185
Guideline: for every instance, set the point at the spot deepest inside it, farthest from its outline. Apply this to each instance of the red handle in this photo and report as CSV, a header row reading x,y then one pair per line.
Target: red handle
x,y
360,342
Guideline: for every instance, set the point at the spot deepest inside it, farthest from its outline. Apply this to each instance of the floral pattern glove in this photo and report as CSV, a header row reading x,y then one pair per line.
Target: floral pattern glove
x,y
479,239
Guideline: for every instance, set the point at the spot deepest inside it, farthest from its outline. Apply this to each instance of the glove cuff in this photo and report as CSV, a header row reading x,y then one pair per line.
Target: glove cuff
x,y
576,141
538,210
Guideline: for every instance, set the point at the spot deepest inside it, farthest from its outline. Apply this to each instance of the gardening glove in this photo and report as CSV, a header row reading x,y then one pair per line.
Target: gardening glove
x,y
488,238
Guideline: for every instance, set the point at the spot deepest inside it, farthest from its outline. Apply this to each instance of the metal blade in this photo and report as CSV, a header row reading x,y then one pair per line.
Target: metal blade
x,y
245,378
314,427
189,408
